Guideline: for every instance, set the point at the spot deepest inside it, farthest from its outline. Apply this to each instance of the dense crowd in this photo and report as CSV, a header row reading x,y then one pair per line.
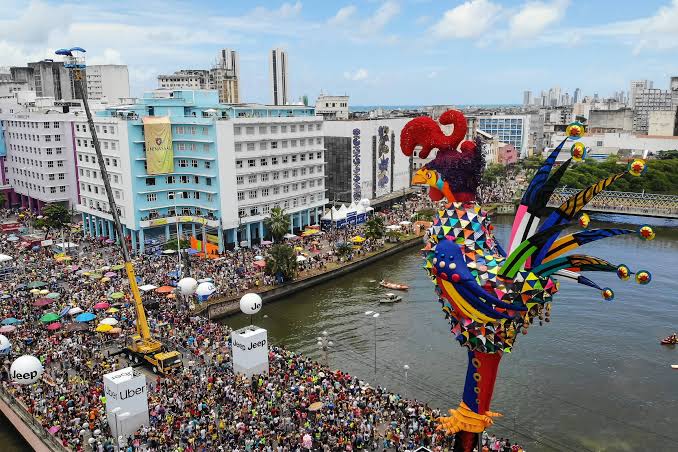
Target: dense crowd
x,y
204,406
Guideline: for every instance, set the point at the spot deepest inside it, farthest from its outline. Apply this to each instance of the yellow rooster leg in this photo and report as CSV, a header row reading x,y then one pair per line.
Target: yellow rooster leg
x,y
464,419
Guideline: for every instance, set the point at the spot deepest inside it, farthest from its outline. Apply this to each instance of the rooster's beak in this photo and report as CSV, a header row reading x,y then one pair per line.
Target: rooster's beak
x,y
418,178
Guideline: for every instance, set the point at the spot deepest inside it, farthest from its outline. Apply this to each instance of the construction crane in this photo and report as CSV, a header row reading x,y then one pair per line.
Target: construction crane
x,y
140,346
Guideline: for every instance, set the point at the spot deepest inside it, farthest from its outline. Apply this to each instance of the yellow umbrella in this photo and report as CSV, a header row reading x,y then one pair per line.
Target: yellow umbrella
x,y
103,328
298,248
112,310
86,273
44,292
308,232
35,291
105,279
358,239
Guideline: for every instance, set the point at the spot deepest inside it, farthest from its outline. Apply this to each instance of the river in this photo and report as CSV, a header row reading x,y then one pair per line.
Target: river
x,y
594,378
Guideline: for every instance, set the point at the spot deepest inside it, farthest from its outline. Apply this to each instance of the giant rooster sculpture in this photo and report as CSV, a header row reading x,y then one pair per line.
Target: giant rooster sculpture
x,y
488,295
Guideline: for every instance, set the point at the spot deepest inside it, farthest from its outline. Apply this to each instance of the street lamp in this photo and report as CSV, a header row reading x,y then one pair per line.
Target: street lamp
x,y
375,316
406,367
241,214
325,343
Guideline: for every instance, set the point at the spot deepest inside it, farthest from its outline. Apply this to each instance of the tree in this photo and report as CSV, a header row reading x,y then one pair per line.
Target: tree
x,y
278,223
424,215
394,236
374,227
54,216
281,262
344,249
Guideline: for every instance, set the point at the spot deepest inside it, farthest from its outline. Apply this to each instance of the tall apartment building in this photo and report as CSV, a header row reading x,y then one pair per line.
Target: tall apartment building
x,y
648,100
52,79
225,77
279,71
527,98
185,79
577,96
635,87
332,107
39,163
510,129
231,165
108,82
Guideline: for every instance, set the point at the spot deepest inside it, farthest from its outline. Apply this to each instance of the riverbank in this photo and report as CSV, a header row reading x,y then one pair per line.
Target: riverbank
x,y
224,307
26,426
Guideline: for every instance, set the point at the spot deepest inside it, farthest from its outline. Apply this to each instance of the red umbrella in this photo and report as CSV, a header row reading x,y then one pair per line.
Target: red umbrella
x,y
54,326
42,302
102,305
165,289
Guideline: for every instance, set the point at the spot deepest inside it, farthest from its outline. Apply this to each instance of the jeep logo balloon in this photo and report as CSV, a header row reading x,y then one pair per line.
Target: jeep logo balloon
x,y
26,370
250,303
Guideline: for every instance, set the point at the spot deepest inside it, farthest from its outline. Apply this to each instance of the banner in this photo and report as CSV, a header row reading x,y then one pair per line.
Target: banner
x,y
159,150
126,401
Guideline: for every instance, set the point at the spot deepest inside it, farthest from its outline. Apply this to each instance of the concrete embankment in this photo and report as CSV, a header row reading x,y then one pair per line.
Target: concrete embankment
x,y
229,306
34,434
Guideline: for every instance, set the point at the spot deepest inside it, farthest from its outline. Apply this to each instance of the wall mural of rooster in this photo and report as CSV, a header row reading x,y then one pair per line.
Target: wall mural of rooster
x,y
491,296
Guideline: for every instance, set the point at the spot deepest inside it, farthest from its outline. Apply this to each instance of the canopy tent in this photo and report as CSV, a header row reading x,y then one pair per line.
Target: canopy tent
x,y
147,287
347,215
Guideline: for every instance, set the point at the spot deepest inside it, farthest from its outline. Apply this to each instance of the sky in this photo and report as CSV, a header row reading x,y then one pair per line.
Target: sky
x,y
379,52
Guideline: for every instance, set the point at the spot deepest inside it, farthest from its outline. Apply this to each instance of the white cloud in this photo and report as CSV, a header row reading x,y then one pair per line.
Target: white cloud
x,y
382,16
359,74
470,19
432,74
34,24
343,15
534,17
109,56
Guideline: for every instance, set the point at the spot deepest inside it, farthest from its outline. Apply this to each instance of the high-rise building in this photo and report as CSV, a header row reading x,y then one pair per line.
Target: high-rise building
x,y
577,96
635,87
279,71
511,129
648,100
185,79
527,98
225,77
673,87
108,81
47,78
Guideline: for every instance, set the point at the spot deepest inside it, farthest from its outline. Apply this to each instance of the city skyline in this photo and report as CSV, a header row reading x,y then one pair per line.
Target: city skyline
x,y
374,51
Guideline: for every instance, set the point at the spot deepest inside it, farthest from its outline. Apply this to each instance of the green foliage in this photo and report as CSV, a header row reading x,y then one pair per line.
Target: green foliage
x,y
424,215
172,245
344,249
278,223
281,260
660,176
493,173
54,216
394,236
668,155
374,227
3,199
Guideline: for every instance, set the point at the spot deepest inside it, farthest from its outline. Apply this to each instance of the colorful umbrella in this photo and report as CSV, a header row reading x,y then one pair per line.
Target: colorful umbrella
x,y
112,310
64,311
42,302
44,292
76,327
103,328
10,321
49,317
164,289
95,275
117,295
53,295
53,429
105,268
7,329
117,267
115,330
85,317
105,279
54,326
102,305
110,274
5,296
36,284
109,321
75,311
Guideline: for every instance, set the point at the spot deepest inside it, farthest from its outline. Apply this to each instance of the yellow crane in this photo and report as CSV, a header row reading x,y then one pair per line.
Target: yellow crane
x,y
140,346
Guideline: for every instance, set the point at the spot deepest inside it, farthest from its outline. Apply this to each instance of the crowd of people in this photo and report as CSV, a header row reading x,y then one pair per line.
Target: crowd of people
x,y
204,406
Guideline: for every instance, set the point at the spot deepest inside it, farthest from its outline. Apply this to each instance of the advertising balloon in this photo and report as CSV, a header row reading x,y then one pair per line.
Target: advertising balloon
x,y
250,303
205,290
187,286
26,370
5,345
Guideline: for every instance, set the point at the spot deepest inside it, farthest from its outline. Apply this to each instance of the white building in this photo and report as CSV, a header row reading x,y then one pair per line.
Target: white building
x,y
185,79
279,72
663,122
107,82
332,107
39,162
646,101
364,160
637,86
622,144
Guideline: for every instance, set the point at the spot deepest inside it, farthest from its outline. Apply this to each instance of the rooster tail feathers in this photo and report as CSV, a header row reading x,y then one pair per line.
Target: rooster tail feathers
x,y
573,241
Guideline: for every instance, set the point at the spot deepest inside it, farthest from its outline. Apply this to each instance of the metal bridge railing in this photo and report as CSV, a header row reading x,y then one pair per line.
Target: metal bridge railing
x,y
623,202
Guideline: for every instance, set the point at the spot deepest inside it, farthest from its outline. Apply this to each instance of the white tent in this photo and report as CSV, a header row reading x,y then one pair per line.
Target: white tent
x,y
147,287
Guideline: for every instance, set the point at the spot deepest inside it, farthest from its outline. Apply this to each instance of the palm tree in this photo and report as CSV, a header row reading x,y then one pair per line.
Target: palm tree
x,y
344,249
281,262
278,223
374,228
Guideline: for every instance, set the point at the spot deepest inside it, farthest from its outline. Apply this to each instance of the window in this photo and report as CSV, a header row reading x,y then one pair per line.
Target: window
x,y
274,145
276,175
170,179
113,145
150,181
274,160
318,140
276,190
48,151
184,179
238,147
284,144
599,143
238,163
48,138
62,189
252,194
286,174
294,158
151,197
252,178
319,155
249,130
250,146
286,188
208,181
194,163
274,129
295,172
183,163
293,128
284,159
264,192
302,128
46,125
263,145
50,164
264,177
303,171
283,128
293,143
302,157
236,131
208,165
205,131
239,180
263,162
311,155
251,163
262,129
50,177
52,189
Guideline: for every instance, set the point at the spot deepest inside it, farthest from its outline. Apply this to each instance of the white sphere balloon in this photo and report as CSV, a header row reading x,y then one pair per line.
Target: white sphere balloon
x,y
5,345
204,290
250,303
187,286
26,370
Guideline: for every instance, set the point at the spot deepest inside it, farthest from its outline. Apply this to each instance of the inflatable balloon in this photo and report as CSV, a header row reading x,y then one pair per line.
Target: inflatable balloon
x,y
250,303
205,290
490,294
5,345
187,286
26,370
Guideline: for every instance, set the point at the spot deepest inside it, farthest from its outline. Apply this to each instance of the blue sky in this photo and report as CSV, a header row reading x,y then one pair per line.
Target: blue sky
x,y
377,51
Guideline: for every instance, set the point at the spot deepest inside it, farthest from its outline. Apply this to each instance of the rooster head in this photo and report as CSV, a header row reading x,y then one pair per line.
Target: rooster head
x,y
431,177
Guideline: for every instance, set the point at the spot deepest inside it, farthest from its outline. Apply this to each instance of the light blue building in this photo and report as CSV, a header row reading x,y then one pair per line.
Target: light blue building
x,y
232,164
511,129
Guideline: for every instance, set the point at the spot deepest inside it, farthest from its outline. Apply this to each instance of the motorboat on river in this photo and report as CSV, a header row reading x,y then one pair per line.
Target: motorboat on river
x,y
393,286
390,298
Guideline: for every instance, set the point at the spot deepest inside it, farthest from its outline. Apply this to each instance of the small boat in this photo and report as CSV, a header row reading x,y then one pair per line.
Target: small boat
x,y
393,286
390,298
674,366
670,340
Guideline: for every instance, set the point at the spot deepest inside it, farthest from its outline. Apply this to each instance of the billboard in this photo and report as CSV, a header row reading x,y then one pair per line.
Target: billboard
x,y
159,149
250,351
126,401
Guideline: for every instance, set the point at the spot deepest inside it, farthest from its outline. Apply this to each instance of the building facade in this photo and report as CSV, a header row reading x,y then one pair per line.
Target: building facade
x,y
510,129
663,122
278,71
646,101
185,79
635,87
231,166
364,160
52,79
332,107
603,121
225,77
108,82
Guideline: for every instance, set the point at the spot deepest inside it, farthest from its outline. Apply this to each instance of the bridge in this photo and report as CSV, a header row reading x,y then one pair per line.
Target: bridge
x,y
623,203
